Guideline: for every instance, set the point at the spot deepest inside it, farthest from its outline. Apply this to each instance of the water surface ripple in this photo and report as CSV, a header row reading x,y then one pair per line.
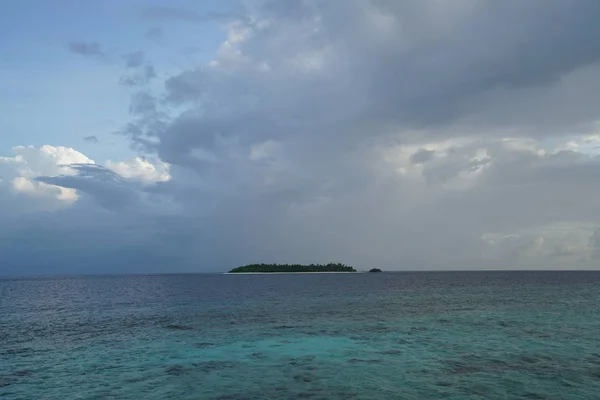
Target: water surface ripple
x,y
467,335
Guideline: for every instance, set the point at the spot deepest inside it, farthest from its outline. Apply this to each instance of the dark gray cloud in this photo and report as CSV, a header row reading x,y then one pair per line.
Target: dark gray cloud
x,y
365,68
496,46
99,183
87,241
155,33
142,103
85,48
138,76
135,59
139,73
422,156
91,139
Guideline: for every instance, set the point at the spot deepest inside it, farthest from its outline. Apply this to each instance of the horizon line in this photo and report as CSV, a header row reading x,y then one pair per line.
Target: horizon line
x,y
118,274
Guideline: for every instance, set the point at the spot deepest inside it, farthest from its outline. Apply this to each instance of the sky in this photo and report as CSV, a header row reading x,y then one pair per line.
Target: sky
x,y
149,136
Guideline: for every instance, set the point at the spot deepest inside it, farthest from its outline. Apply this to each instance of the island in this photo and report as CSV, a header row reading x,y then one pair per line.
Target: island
x,y
292,268
375,270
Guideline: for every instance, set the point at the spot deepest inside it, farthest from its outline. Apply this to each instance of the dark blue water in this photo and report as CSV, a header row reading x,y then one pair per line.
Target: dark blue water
x,y
493,335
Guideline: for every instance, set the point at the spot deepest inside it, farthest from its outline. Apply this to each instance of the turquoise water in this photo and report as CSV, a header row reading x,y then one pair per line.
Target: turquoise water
x,y
526,335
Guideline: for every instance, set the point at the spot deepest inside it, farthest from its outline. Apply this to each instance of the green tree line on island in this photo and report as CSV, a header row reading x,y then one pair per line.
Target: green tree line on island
x,y
331,267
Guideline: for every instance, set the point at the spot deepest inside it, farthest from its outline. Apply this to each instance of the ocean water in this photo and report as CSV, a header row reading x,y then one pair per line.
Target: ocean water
x,y
467,335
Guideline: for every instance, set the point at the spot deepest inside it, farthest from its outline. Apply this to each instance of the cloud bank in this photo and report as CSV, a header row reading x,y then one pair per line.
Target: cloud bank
x,y
391,134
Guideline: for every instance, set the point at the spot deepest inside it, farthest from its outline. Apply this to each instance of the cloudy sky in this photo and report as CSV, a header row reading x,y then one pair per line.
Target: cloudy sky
x,y
179,136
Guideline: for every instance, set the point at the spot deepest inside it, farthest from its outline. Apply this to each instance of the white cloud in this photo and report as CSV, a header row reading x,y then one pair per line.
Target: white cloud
x,y
29,162
141,169
564,245
35,178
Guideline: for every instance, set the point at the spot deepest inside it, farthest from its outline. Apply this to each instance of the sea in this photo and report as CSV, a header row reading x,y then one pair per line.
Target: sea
x,y
411,335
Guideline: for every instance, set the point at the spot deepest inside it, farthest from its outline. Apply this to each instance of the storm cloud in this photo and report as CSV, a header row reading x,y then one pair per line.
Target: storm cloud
x,y
392,134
